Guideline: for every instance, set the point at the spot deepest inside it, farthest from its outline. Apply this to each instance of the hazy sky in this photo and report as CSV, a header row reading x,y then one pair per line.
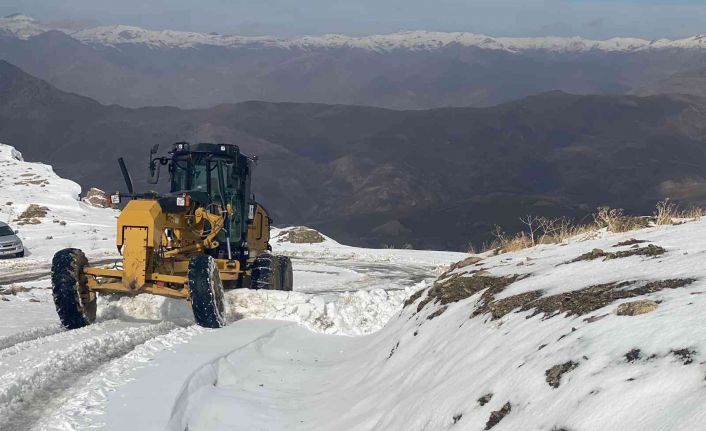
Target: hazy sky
x,y
588,18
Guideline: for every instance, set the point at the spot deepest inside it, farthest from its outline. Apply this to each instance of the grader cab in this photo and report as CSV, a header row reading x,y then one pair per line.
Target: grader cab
x,y
206,235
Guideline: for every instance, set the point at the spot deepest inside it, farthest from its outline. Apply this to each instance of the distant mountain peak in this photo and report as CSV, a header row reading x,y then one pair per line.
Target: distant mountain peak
x,y
20,17
24,27
21,26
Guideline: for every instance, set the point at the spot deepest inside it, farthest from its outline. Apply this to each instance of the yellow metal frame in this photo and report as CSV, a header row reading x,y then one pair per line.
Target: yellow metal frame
x,y
157,263
169,285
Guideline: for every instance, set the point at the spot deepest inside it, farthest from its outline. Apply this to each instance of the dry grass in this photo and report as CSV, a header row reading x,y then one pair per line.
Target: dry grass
x,y
615,220
543,230
538,230
668,212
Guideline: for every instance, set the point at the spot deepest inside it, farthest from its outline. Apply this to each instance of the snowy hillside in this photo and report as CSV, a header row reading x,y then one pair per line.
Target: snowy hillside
x,y
602,333
48,215
24,27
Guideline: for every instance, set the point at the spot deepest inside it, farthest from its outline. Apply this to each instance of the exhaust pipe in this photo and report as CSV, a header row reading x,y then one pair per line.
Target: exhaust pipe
x,y
126,176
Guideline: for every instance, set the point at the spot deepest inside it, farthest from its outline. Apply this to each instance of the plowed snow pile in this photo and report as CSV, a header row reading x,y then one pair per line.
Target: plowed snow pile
x,y
603,333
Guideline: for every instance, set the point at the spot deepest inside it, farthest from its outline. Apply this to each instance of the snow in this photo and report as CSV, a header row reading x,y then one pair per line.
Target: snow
x,y
21,26
342,352
24,27
412,40
51,378
68,222
420,373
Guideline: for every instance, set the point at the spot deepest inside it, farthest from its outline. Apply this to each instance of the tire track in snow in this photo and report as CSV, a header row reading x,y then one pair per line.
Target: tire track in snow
x,y
28,335
60,369
60,336
82,405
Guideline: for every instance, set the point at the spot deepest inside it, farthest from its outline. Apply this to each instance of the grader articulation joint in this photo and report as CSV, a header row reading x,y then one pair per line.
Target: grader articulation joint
x,y
206,235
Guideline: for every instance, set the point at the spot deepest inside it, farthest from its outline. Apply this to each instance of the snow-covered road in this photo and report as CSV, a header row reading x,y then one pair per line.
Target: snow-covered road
x,y
56,379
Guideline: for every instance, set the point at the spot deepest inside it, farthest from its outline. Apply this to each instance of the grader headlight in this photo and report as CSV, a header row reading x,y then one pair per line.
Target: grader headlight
x,y
183,201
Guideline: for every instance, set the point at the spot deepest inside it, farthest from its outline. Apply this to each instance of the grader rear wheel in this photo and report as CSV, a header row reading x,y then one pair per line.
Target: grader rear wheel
x,y
75,304
206,292
285,273
266,273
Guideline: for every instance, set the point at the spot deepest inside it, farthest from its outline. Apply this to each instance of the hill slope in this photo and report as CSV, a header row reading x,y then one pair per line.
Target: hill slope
x,y
435,179
46,211
552,350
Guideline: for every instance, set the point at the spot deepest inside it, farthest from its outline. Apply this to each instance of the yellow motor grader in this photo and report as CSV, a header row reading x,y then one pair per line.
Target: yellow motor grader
x,y
206,235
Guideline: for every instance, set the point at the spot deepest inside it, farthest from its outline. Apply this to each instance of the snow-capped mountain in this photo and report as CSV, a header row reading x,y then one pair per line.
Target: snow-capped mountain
x,y
21,26
24,27
412,40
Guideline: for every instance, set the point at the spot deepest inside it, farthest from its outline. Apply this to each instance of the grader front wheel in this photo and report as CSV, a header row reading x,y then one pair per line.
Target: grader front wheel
x,y
206,290
74,303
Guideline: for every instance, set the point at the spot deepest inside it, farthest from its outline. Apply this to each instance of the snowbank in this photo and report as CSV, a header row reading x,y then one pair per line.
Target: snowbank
x,y
525,340
348,313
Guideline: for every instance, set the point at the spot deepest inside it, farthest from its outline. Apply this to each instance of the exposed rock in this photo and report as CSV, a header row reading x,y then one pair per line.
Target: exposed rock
x,y
457,288
485,399
633,355
649,251
684,355
636,308
596,253
498,415
413,298
553,375
97,198
437,313
301,235
592,298
502,307
32,215
465,262
631,241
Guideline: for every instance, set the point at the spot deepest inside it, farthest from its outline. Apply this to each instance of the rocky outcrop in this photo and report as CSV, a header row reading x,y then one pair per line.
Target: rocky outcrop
x,y
301,235
97,198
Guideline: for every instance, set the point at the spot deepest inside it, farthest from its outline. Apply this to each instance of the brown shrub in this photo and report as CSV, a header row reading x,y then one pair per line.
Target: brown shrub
x,y
616,221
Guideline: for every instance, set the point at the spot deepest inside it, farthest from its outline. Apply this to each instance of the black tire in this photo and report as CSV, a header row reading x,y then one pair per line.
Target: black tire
x,y
72,298
206,292
20,254
285,273
265,273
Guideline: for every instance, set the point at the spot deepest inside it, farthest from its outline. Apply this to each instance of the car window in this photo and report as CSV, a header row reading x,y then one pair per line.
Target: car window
x,y
6,231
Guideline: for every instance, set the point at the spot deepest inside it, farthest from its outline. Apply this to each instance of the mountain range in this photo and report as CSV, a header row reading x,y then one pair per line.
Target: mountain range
x,y
135,67
437,178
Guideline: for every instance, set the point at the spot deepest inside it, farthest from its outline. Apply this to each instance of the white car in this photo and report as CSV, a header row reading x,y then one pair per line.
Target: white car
x,y
10,244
